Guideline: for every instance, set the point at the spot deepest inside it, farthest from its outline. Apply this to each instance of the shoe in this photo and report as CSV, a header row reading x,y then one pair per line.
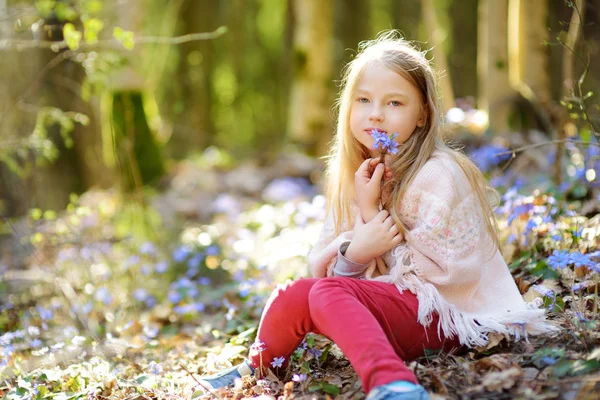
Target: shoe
x,y
398,390
226,378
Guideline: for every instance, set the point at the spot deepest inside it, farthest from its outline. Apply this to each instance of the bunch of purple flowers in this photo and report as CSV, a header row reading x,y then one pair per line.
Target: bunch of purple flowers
x,y
386,142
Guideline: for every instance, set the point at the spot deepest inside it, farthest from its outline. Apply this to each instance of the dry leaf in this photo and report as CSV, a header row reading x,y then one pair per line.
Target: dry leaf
x,y
498,362
501,380
494,339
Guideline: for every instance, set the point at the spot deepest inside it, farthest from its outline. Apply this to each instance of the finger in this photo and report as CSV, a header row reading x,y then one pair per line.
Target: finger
x,y
376,177
396,240
381,216
389,222
363,170
394,229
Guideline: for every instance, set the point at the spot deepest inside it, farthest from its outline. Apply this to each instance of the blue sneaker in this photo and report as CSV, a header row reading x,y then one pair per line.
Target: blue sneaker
x,y
398,390
226,378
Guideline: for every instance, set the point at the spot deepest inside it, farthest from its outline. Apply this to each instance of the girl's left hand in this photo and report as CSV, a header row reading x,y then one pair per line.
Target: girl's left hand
x,y
367,182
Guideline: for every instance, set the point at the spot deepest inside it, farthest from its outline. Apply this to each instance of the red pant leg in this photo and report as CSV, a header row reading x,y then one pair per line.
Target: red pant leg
x,y
284,323
372,322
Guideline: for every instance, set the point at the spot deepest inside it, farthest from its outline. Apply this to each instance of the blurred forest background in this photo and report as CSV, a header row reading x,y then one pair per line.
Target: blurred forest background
x,y
265,86
160,172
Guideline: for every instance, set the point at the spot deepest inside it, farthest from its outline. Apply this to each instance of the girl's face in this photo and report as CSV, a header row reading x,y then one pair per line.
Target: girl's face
x,y
386,101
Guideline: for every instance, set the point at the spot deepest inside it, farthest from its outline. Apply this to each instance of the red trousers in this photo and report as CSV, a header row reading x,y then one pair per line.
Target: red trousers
x,y
373,324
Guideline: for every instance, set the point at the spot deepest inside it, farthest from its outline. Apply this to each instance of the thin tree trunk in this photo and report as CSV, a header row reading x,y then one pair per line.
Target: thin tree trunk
x,y
495,94
309,122
440,60
568,80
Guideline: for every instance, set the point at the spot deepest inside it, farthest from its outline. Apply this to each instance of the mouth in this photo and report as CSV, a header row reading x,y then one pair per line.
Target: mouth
x,y
370,131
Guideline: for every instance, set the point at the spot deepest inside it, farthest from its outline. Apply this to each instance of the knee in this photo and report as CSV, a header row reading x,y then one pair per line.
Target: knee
x,y
320,295
292,292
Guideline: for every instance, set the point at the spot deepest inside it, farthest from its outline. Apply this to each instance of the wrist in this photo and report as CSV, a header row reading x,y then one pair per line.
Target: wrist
x,y
356,255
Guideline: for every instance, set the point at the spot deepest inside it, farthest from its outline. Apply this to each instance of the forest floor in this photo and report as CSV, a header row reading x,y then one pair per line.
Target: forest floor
x,y
112,300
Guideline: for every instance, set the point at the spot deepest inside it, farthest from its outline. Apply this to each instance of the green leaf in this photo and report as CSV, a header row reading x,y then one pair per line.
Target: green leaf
x,y
91,28
331,389
92,6
118,32
64,12
125,37
588,95
72,36
45,7
562,368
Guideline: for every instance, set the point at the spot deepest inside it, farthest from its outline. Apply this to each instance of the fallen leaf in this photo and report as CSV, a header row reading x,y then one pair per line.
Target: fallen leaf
x,y
501,380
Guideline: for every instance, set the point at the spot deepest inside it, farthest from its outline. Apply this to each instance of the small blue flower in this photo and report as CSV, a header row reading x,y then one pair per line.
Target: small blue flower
x,y
580,260
277,362
315,352
385,142
204,281
140,294
161,267
559,259
174,297
44,313
146,269
103,295
147,248
150,301
212,250
155,368
181,253
581,317
258,346
195,261
548,360
35,343
299,377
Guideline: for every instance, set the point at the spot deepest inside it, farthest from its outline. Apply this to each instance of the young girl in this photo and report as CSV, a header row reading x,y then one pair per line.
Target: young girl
x,y
414,265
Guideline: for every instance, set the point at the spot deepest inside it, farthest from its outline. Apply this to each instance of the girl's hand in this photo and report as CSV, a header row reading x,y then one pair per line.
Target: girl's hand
x,y
374,238
367,182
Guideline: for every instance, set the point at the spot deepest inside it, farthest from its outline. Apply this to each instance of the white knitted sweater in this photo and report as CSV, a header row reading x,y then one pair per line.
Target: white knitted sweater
x,y
447,259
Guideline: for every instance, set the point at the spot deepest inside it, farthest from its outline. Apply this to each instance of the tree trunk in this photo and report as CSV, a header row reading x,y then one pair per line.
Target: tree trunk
x,y
528,54
193,96
351,25
495,94
309,122
434,31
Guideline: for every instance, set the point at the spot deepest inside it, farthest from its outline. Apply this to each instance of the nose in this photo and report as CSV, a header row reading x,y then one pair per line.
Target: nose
x,y
375,114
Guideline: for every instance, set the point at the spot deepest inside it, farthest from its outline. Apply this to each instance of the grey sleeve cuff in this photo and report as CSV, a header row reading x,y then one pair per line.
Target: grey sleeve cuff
x,y
345,267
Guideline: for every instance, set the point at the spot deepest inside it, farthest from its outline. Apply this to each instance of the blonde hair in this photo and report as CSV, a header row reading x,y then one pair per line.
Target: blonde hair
x,y
347,153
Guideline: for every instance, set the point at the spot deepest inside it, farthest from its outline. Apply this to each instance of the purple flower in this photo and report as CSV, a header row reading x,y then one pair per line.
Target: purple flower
x,y
140,294
548,360
44,313
258,346
161,267
195,261
581,317
559,259
387,143
174,297
155,368
580,260
315,352
212,250
299,377
277,362
147,248
103,295
204,281
544,291
35,343
181,253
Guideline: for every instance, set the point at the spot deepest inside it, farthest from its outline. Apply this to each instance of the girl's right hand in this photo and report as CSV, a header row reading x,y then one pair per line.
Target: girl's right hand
x,y
374,238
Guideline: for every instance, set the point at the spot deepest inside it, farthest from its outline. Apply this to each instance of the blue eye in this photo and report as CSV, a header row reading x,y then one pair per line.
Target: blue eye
x,y
395,103
363,100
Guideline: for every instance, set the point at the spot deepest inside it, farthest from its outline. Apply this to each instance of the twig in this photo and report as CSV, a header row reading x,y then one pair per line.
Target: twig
x,y
20,44
532,146
198,382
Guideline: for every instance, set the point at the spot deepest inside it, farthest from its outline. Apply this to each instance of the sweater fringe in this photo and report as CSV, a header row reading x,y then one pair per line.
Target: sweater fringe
x,y
472,330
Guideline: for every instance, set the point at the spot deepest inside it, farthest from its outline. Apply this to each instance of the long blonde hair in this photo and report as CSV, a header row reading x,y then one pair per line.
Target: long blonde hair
x,y
347,153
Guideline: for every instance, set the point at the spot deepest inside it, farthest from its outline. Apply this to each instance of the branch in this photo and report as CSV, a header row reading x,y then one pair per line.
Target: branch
x,y
8,44
533,146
